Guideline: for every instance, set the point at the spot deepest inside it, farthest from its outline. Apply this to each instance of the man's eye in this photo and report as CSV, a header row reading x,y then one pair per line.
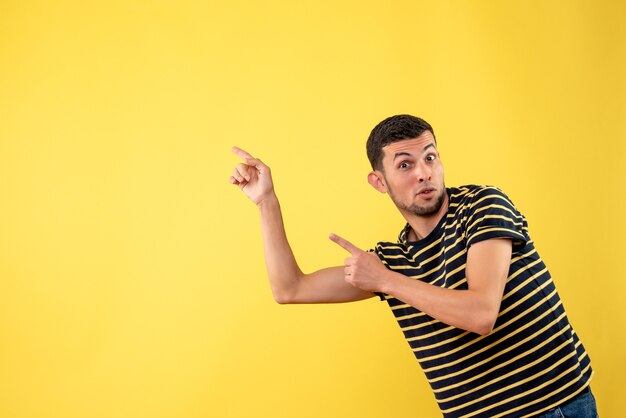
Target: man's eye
x,y
403,165
431,157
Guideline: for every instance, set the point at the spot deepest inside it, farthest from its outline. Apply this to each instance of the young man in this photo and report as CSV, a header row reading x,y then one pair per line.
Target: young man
x,y
472,296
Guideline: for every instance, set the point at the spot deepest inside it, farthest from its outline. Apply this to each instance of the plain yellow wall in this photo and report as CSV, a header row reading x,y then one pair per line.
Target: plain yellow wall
x,y
132,280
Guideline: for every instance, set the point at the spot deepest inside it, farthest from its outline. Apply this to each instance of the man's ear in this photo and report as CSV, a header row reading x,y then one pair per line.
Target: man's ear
x,y
377,180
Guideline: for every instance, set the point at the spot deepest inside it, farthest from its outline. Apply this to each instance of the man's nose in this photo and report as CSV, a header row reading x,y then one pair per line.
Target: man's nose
x,y
423,173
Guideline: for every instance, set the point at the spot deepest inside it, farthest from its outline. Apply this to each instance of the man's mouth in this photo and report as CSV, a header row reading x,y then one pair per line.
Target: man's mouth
x,y
426,191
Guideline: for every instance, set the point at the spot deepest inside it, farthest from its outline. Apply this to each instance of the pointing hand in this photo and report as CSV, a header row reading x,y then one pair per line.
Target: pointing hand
x,y
363,269
253,177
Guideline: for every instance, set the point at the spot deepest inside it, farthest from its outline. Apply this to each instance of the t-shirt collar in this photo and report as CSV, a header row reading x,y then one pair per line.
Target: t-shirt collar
x,y
403,237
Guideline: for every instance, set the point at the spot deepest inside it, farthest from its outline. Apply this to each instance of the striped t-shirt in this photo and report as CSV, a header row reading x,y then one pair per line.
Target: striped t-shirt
x,y
533,360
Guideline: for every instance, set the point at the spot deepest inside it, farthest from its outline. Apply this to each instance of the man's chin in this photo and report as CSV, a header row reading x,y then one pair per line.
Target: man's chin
x,y
424,210
428,209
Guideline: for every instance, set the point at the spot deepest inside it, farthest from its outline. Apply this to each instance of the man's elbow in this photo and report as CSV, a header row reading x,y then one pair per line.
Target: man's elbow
x,y
286,291
284,296
482,329
484,325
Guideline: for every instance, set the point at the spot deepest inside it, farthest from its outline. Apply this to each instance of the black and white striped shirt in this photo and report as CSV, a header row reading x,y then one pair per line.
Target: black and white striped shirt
x,y
533,360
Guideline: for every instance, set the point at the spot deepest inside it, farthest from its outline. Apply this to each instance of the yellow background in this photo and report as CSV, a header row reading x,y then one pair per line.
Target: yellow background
x,y
132,280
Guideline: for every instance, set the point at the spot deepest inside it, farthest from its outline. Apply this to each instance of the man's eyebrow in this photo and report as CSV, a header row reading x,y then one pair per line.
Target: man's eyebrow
x,y
404,153
428,146
400,154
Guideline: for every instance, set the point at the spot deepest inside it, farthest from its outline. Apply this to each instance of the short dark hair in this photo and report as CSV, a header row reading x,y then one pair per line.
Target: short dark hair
x,y
394,129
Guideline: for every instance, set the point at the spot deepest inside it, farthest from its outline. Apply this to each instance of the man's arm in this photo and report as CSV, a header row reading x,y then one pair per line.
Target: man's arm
x,y
289,284
475,309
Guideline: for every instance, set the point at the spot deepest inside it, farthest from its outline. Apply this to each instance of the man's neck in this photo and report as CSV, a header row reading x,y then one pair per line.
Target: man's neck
x,y
422,225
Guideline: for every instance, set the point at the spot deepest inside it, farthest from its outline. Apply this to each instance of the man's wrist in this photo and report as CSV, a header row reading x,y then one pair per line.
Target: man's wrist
x,y
269,202
391,281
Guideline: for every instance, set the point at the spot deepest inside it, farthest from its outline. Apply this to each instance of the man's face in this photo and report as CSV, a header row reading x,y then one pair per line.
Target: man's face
x,y
413,174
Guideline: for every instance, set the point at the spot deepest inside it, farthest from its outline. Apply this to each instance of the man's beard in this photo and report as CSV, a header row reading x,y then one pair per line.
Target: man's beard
x,y
417,209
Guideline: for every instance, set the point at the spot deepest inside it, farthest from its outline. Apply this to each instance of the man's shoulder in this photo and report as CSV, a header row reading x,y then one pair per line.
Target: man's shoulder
x,y
473,194
469,200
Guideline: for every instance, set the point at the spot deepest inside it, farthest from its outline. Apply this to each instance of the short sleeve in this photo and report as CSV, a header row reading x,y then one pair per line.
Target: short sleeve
x,y
493,215
379,254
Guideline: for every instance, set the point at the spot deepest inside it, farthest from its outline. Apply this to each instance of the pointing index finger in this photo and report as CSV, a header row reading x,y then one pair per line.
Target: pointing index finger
x,y
243,154
345,244
249,158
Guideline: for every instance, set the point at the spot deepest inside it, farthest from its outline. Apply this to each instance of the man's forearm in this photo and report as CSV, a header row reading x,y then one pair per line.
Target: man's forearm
x,y
475,309
282,268
470,310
